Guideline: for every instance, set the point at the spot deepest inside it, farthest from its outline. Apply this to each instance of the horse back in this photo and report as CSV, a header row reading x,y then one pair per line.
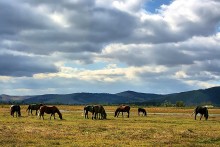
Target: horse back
x,y
124,108
201,110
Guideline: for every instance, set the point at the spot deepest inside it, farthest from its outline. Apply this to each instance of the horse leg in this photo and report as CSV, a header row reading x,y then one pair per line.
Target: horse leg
x,y
87,114
128,114
122,114
96,115
118,114
51,115
201,116
93,115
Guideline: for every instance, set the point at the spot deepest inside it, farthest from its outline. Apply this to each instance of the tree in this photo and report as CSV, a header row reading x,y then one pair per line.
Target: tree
x,y
180,104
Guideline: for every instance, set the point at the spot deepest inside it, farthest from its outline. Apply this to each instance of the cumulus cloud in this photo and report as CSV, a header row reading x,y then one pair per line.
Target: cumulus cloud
x,y
179,43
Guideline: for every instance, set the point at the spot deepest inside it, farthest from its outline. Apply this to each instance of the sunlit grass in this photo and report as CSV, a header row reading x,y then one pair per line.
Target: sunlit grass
x,y
74,130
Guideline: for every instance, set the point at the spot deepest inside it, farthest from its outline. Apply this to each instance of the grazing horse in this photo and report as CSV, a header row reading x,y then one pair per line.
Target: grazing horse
x,y
143,111
98,110
122,109
201,110
17,109
87,109
49,110
33,107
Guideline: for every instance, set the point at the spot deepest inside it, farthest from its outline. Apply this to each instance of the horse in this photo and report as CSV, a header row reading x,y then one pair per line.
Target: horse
x,y
122,108
202,110
87,109
33,107
17,109
100,111
143,111
49,110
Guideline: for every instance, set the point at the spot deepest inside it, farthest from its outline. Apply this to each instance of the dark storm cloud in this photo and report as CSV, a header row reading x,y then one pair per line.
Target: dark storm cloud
x,y
16,17
18,65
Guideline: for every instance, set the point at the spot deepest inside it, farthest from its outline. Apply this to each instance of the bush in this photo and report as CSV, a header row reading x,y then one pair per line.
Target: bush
x,y
180,104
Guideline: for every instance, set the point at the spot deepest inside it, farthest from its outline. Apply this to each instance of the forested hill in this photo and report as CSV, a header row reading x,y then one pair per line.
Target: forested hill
x,y
195,97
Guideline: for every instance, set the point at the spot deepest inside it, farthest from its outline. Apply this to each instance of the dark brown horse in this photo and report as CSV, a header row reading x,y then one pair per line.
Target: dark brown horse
x,y
17,109
99,111
49,110
33,107
88,109
122,108
143,111
201,110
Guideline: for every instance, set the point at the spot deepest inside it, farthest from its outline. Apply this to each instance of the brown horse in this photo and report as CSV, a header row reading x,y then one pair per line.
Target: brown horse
x,y
143,111
49,110
33,107
98,110
17,109
122,108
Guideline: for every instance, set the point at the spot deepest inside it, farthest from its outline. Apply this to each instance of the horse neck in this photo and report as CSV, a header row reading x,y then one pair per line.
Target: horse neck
x,y
116,111
58,112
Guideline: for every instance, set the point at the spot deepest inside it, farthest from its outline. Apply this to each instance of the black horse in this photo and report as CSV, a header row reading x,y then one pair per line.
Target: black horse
x,y
143,111
122,109
17,109
88,109
33,107
99,112
201,110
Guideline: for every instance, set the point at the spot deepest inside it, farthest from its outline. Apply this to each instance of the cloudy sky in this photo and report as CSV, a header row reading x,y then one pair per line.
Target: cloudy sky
x,y
151,46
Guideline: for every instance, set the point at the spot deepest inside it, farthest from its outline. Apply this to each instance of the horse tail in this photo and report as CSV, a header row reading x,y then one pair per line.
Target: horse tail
x,y
194,112
19,110
29,107
11,110
84,110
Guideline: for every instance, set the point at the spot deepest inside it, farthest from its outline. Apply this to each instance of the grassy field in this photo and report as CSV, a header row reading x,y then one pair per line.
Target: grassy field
x,y
154,130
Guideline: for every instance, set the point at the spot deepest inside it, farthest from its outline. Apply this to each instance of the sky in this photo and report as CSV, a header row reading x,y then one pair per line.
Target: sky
x,y
108,46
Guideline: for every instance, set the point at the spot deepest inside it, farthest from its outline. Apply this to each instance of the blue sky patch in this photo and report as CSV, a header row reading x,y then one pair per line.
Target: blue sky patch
x,y
153,5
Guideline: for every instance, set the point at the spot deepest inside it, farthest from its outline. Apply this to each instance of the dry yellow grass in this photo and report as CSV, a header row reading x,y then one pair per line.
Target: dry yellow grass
x,y
74,130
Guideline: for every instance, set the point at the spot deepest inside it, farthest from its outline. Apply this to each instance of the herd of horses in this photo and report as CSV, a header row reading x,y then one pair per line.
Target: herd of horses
x,y
38,108
98,111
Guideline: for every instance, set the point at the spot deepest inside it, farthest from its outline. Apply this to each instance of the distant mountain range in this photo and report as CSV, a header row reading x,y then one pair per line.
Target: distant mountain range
x,y
195,97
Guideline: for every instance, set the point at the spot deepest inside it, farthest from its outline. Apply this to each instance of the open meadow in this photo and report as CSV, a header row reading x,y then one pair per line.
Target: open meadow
x,y
161,127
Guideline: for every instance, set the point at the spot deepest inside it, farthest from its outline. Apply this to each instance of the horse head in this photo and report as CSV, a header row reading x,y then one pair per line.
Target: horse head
x,y
116,111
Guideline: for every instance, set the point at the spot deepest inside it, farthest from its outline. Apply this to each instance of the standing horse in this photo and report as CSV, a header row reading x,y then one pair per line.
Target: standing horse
x,y
143,111
17,109
99,111
122,108
49,110
201,110
88,109
33,107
